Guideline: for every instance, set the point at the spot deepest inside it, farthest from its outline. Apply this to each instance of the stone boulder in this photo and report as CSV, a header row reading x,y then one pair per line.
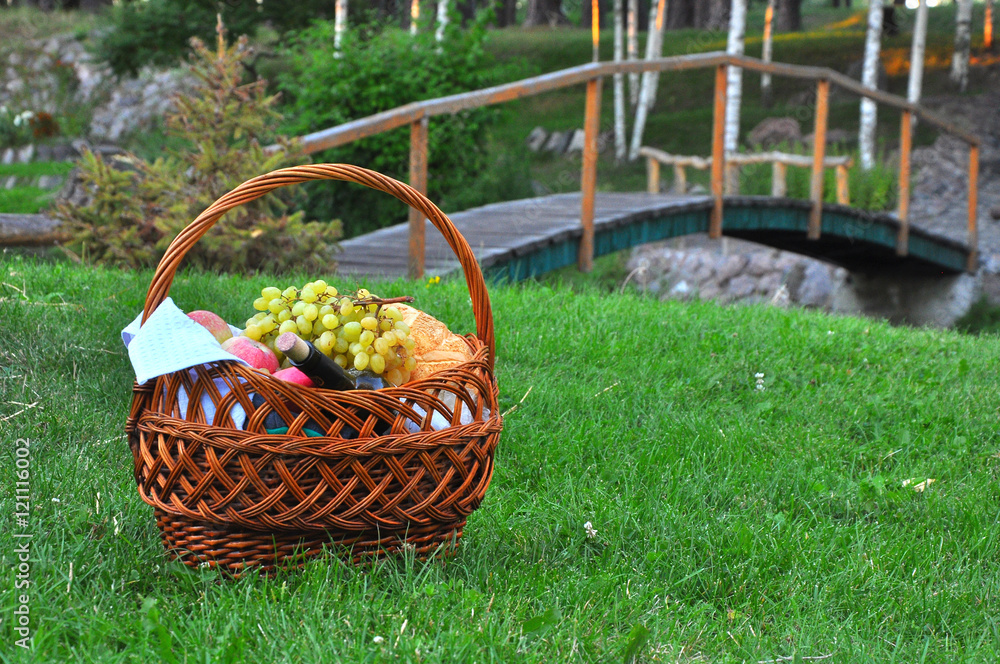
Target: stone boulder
x,y
775,131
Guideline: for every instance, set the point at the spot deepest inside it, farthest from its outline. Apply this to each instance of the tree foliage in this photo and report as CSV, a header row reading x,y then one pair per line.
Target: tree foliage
x,y
378,70
135,212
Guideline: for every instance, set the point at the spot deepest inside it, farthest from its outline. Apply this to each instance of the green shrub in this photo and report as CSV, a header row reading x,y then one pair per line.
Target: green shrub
x,y
377,71
135,212
156,32
981,318
873,190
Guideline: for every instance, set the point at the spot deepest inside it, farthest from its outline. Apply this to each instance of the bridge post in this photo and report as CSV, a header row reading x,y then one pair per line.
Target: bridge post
x,y
418,180
652,175
819,154
903,212
973,202
718,151
588,178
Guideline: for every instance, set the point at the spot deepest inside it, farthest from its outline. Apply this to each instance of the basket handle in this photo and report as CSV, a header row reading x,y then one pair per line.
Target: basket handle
x,y
253,189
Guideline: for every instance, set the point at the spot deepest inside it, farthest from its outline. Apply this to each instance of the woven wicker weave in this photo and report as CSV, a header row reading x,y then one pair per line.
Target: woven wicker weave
x,y
242,499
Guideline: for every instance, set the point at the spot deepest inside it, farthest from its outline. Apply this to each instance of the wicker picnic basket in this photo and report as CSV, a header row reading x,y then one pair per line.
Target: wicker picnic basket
x,y
241,499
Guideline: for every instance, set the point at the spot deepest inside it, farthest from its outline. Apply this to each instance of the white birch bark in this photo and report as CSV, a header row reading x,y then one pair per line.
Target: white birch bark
x,y
963,37
917,51
766,53
414,16
619,80
660,23
869,78
339,26
442,20
654,47
633,50
734,75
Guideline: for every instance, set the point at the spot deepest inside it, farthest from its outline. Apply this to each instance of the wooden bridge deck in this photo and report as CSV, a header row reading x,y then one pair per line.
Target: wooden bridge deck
x,y
523,238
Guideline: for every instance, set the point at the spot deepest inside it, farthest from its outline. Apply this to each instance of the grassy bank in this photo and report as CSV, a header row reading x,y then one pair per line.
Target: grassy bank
x,y
733,523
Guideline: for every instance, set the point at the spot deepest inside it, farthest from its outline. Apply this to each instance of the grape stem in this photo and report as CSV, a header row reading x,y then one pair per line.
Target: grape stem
x,y
380,301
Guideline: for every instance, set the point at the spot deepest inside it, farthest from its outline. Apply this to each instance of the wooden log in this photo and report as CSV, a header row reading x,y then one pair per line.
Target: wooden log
x,y
652,175
843,186
819,151
903,210
418,180
973,202
588,176
718,151
779,180
680,180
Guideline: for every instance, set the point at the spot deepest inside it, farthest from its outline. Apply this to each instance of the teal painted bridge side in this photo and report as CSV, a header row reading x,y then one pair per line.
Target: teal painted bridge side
x,y
851,238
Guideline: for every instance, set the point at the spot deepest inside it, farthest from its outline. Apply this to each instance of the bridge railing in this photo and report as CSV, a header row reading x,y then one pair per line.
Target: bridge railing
x,y
417,115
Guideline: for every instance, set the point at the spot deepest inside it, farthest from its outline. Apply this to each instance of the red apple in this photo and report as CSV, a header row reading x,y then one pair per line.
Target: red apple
x,y
213,323
255,353
293,375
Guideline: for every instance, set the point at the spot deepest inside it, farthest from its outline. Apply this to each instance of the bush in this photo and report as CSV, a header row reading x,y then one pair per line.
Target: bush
x,y
137,210
873,190
377,71
157,32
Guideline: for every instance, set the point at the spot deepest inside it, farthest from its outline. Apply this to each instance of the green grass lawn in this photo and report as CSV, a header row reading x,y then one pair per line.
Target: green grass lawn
x,y
29,199
733,523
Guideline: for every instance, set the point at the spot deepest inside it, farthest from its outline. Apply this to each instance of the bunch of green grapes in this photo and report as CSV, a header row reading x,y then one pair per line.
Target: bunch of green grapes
x,y
358,330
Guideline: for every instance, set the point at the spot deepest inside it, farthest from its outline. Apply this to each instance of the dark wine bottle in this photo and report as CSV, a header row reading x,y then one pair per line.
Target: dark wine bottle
x,y
326,373
323,371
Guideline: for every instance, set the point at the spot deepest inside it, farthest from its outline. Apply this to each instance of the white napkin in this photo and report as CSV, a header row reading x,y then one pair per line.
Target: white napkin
x,y
169,342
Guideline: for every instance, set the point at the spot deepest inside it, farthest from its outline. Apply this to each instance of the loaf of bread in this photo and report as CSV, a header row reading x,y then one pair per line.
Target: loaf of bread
x,y
437,347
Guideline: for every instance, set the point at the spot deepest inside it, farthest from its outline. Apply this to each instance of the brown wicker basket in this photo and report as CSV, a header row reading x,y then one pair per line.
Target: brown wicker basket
x,y
241,499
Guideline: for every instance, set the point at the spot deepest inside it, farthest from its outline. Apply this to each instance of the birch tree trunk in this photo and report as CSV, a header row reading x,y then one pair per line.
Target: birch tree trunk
x,y
766,94
917,54
654,47
657,24
960,59
339,26
633,51
734,82
619,84
869,78
442,20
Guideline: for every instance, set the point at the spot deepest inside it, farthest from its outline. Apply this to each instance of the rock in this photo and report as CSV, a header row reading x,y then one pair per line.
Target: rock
x,y
26,154
741,286
995,212
681,290
769,284
834,137
8,156
709,291
50,181
576,142
817,287
558,140
761,262
775,131
697,190
731,267
536,139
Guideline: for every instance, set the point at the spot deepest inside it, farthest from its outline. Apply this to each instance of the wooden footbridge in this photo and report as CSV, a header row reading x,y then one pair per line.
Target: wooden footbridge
x,y
519,239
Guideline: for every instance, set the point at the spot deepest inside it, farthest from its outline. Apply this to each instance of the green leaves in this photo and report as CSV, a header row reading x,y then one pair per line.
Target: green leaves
x,y
137,208
541,623
637,638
